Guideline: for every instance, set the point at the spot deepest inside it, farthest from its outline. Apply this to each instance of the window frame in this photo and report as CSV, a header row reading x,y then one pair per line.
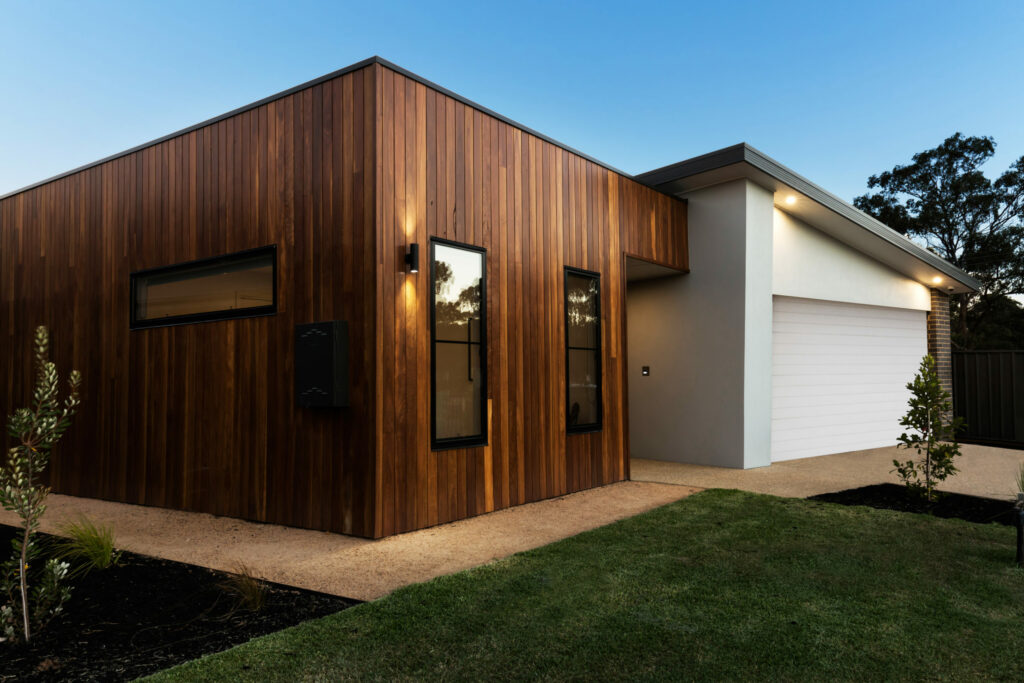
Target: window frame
x,y
481,439
598,425
136,323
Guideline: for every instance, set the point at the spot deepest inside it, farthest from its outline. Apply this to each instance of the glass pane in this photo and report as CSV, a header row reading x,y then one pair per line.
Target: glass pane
x,y
246,283
583,316
459,390
583,390
457,306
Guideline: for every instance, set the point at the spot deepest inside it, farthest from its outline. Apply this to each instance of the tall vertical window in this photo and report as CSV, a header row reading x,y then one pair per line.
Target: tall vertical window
x,y
582,350
458,319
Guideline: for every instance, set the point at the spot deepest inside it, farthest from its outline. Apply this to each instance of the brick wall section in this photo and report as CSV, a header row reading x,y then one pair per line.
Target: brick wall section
x,y
938,338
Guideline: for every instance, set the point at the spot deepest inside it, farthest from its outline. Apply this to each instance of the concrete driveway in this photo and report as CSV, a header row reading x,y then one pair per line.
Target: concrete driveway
x,y
984,471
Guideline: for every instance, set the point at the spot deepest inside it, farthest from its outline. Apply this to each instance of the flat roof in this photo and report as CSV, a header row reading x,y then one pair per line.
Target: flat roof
x,y
309,84
830,214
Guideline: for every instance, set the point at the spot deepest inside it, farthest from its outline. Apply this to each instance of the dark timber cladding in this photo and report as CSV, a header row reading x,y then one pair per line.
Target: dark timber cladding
x,y
203,416
449,170
341,175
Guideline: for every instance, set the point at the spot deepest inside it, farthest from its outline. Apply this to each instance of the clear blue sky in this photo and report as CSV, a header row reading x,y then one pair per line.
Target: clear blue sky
x,y
835,90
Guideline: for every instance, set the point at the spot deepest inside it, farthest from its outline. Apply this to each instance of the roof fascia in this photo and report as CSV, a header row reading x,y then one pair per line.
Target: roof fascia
x,y
750,158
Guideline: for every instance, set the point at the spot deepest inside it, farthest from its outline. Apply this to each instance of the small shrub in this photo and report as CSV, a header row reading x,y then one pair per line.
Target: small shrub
x,y
1019,498
86,546
248,590
932,435
49,596
35,431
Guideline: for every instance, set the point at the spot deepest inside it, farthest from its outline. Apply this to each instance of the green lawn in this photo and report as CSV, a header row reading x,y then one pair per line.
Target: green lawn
x,y
721,585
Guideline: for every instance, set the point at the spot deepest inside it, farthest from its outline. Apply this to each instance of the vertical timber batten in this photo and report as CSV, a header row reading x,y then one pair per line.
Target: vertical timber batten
x,y
202,417
450,171
341,174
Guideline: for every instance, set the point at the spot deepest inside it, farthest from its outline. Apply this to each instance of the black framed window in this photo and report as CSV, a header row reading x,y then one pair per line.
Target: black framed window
x,y
238,285
458,336
582,350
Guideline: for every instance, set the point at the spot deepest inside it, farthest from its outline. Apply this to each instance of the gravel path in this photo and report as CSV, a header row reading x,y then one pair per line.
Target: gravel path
x,y
984,471
354,567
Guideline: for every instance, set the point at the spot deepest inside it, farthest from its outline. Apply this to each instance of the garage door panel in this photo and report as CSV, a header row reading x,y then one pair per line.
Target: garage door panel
x,y
821,399
854,337
825,350
869,412
836,366
808,396
859,404
792,304
841,321
829,380
855,429
798,395
839,375
811,315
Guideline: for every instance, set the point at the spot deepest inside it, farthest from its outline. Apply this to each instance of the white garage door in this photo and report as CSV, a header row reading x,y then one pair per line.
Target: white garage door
x,y
839,375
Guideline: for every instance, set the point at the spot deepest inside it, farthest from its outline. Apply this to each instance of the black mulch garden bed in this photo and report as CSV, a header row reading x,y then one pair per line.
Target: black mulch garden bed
x,y
145,615
949,505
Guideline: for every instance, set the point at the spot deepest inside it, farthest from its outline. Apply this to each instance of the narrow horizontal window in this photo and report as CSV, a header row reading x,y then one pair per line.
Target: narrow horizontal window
x,y
233,286
582,350
458,334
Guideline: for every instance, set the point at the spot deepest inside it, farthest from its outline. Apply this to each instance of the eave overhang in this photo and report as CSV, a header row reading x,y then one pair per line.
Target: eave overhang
x,y
816,207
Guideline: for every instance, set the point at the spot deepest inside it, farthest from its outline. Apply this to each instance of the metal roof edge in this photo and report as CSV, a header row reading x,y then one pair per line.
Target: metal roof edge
x,y
202,124
688,167
309,84
786,175
745,153
490,112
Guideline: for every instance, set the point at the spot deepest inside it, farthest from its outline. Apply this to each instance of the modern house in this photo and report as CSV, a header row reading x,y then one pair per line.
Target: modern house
x,y
808,316
368,305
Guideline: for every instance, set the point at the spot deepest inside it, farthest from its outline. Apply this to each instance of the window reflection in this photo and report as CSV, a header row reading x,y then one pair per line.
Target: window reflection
x,y
583,350
232,285
458,341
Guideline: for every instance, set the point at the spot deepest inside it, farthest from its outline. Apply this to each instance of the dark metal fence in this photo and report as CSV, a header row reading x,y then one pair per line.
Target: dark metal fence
x,y
988,393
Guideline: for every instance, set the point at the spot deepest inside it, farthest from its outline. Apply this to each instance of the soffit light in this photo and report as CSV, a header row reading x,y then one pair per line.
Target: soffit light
x,y
791,199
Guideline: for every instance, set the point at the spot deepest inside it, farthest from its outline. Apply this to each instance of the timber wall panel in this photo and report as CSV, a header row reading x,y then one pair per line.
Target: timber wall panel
x,y
341,175
203,417
449,170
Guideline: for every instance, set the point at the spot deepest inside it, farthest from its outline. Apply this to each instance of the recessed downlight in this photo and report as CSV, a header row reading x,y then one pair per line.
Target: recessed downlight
x,y
936,280
791,199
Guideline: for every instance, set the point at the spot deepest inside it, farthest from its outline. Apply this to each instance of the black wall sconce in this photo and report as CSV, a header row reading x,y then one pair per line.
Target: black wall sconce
x,y
412,258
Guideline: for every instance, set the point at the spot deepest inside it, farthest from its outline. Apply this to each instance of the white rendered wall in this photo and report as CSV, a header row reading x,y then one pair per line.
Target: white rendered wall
x,y
809,264
757,340
707,336
707,339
